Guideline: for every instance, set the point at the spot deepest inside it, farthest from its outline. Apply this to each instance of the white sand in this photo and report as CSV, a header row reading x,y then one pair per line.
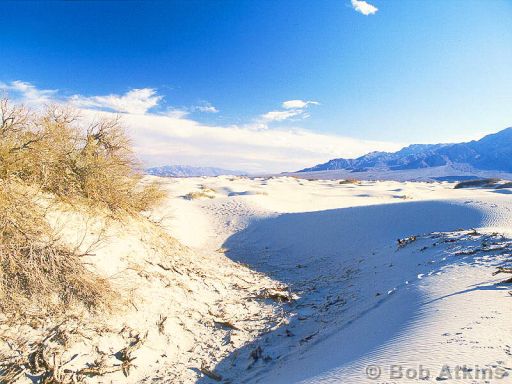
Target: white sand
x,y
335,245
358,299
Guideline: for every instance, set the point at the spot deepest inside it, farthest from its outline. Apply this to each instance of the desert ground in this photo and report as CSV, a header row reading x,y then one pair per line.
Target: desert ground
x,y
358,297
288,280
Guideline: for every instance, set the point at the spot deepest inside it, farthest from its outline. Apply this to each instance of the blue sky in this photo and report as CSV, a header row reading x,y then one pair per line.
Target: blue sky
x,y
204,82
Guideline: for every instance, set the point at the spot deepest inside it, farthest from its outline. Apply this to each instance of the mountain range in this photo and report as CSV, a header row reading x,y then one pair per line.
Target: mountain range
x,y
491,153
188,171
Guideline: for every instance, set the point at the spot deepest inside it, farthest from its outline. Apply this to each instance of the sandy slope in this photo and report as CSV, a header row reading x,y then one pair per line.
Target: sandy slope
x,y
171,321
361,299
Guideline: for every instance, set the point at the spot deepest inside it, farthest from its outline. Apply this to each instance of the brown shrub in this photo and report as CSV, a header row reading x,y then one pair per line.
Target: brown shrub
x,y
37,274
349,181
483,183
55,151
198,195
508,184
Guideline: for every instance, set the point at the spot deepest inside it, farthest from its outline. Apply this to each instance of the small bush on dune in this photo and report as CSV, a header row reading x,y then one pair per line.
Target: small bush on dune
x,y
508,184
349,181
54,152
477,183
198,195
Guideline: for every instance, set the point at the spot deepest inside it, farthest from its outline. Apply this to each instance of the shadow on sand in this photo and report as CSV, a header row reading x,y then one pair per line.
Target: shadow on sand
x,y
301,247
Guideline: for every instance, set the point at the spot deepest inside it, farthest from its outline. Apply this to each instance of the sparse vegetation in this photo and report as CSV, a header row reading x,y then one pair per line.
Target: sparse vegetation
x,y
53,153
57,152
349,181
37,274
198,195
482,183
204,193
207,189
505,185
44,360
405,241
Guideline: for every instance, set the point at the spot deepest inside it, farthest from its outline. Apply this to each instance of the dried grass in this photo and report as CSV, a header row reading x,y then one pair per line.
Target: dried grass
x,y
37,274
198,195
57,152
482,183
45,359
349,181
508,184
54,152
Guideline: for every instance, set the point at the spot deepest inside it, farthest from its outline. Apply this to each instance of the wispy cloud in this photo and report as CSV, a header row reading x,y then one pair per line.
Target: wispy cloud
x,y
293,104
164,140
176,113
206,108
29,93
173,137
280,115
136,101
363,7
292,109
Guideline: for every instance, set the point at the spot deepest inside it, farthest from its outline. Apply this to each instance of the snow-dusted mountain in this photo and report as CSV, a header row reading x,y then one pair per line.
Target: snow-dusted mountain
x,y
491,153
188,171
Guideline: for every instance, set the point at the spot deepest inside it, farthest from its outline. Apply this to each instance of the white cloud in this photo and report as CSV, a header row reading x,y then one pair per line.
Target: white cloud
x,y
292,109
280,115
173,137
136,101
364,7
28,93
165,140
176,113
206,108
292,104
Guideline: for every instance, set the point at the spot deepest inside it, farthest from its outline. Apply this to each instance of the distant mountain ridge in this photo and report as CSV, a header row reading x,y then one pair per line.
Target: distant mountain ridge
x,y
188,171
492,152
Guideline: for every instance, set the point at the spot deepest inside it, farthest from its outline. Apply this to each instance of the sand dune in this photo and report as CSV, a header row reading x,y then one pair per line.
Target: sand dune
x,y
286,280
361,300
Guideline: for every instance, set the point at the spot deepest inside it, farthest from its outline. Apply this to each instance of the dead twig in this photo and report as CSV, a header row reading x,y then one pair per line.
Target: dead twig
x,y
210,373
405,241
502,270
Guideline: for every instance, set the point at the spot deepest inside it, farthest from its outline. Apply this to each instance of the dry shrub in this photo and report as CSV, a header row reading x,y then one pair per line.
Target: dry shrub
x,y
508,184
198,195
207,189
45,359
349,181
61,155
56,153
483,183
37,274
